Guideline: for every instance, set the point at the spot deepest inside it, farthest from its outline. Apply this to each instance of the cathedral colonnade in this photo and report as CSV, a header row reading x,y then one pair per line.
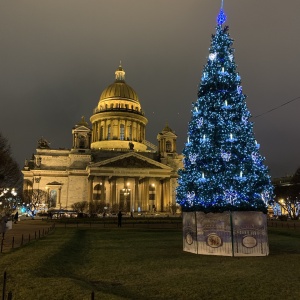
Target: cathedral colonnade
x,y
118,129
131,194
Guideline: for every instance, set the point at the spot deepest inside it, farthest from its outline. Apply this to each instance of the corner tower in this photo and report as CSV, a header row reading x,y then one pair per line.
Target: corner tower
x,y
81,136
166,142
118,121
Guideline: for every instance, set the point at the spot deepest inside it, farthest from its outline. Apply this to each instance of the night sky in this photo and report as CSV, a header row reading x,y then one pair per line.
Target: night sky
x,y
57,56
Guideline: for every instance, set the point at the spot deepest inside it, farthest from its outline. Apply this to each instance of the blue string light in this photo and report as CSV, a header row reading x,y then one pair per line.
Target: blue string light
x,y
223,169
221,17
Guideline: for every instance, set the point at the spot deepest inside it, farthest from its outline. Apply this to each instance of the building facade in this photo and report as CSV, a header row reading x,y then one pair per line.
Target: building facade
x,y
110,160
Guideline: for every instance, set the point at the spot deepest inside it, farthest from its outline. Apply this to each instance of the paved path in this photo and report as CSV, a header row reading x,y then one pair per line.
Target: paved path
x,y
23,232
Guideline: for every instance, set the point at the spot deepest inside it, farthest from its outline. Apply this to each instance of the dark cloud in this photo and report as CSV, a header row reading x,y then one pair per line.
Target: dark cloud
x,y
58,56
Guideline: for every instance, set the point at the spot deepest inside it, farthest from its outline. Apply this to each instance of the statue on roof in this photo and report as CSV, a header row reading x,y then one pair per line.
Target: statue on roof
x,y
131,145
43,144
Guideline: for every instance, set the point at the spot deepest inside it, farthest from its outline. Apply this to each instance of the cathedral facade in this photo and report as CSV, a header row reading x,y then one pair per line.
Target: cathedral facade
x,y
110,161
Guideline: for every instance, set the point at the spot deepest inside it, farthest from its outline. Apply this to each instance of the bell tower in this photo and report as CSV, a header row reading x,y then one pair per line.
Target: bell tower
x,y
167,142
81,136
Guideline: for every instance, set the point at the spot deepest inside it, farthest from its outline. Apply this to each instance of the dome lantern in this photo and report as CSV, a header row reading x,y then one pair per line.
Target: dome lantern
x,y
119,90
120,74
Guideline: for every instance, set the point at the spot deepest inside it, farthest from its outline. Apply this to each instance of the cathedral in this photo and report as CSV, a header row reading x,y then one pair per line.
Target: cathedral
x,y
110,160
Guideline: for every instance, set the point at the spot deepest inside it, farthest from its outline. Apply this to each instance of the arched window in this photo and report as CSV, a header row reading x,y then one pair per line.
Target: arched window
x,y
97,192
168,146
52,198
81,142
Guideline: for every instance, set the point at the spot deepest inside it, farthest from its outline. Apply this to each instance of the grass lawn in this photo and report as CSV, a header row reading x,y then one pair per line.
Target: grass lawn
x,y
130,263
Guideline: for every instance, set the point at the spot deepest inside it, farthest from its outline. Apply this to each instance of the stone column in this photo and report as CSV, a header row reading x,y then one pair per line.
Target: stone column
x,y
59,197
167,197
114,190
104,130
135,194
138,131
125,131
158,195
98,125
117,127
134,135
162,195
90,188
94,132
140,193
102,189
145,200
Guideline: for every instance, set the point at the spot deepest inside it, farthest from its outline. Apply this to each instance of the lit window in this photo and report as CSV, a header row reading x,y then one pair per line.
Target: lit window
x,y
108,132
122,132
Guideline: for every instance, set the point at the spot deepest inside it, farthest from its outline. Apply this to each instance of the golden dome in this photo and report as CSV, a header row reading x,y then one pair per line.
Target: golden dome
x,y
119,89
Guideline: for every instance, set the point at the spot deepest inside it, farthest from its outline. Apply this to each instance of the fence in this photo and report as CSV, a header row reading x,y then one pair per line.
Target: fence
x,y
127,223
153,223
9,295
20,238
284,224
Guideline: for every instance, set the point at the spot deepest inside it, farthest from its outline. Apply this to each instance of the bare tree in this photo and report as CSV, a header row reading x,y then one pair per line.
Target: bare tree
x,y
34,198
80,207
10,174
97,207
288,196
115,208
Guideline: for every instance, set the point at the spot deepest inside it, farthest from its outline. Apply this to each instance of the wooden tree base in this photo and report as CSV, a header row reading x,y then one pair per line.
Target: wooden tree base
x,y
236,233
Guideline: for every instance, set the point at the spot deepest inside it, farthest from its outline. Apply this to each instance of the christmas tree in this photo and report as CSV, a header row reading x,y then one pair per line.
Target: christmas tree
x,y
223,169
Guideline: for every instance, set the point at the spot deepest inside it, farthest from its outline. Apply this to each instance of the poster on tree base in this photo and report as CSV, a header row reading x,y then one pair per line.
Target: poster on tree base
x,y
226,234
250,233
214,233
189,232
